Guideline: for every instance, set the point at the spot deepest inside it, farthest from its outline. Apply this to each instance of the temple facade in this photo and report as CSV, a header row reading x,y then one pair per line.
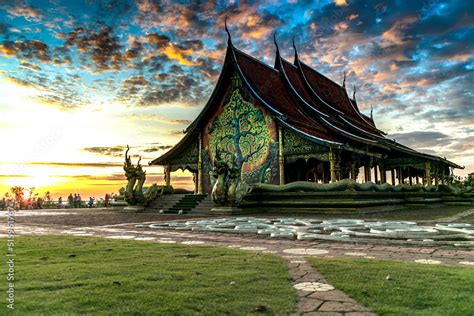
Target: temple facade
x,y
291,123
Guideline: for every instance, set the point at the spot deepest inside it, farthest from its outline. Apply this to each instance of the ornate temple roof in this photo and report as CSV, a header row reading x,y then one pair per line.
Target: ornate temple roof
x,y
300,99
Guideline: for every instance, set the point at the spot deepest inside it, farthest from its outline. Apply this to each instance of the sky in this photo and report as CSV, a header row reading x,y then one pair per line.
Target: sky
x,y
79,80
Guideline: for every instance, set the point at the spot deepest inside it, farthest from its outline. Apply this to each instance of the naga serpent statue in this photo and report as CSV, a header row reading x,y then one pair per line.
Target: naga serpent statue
x,y
134,192
228,189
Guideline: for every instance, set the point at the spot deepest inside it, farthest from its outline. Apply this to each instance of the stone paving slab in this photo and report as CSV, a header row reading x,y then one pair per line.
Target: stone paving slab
x,y
315,294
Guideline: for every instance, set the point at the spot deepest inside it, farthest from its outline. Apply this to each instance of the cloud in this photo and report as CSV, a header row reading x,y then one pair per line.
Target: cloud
x,y
114,151
61,91
179,53
135,80
79,164
134,52
99,48
29,49
157,148
31,66
158,40
18,8
340,2
422,139
161,119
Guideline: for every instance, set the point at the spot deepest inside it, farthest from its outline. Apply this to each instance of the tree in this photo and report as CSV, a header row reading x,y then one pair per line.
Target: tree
x,y
240,133
47,196
19,193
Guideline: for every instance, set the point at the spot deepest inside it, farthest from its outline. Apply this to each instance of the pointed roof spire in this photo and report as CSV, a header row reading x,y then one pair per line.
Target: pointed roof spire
x,y
372,112
354,93
277,57
344,80
295,62
229,38
275,41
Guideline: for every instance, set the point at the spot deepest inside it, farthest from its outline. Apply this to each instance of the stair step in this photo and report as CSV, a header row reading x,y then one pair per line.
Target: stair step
x,y
184,203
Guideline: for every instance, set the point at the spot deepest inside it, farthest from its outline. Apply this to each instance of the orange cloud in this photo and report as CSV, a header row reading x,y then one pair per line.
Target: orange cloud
x,y
33,66
394,36
28,12
179,54
7,51
341,26
340,3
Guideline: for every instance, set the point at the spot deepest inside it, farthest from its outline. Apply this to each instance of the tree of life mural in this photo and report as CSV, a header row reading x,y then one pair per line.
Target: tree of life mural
x,y
240,133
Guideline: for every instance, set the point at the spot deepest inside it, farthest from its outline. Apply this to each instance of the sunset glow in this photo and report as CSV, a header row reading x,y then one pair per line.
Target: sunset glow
x,y
79,80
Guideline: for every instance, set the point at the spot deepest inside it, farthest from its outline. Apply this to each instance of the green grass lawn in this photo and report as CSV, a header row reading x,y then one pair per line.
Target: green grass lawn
x,y
81,275
413,289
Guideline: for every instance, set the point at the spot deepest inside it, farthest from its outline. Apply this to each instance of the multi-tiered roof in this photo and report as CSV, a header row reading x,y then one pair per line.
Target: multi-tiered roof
x,y
305,101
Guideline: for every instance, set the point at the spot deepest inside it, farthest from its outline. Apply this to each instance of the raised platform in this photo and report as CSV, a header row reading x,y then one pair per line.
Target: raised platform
x,y
305,197
345,201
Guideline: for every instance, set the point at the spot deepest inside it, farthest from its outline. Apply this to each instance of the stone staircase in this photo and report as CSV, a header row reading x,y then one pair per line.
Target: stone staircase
x,y
204,206
164,202
182,203
186,204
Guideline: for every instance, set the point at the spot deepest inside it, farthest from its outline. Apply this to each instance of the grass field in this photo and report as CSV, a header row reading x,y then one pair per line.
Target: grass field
x,y
81,275
412,289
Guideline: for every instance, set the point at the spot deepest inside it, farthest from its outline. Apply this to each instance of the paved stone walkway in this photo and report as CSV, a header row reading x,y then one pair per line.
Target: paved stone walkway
x,y
338,230
315,295
455,217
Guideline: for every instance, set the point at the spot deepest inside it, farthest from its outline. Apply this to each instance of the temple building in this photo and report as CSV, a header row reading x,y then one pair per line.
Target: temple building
x,y
291,123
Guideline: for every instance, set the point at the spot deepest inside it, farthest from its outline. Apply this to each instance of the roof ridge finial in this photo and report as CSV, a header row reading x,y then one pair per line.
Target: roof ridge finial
x,y
295,62
354,94
371,111
275,41
344,80
277,57
229,38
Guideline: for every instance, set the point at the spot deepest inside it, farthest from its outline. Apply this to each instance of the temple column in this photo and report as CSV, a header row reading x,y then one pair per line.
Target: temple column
x,y
199,173
281,157
196,182
428,172
333,165
167,175
393,176
417,179
376,177
367,173
353,171
410,180
383,175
